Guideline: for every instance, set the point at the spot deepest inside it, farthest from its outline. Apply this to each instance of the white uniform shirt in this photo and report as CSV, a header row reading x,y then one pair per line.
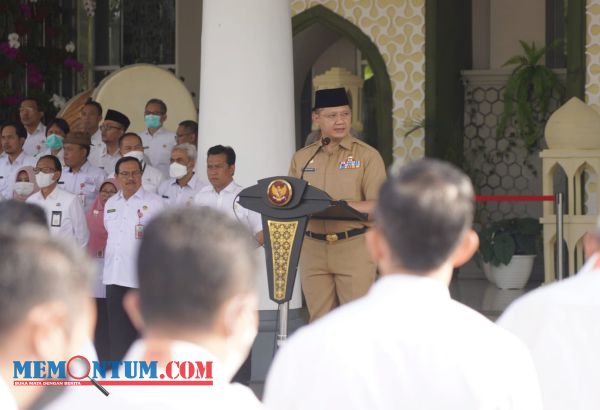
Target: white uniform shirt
x,y
175,195
223,201
8,171
100,158
97,138
405,345
7,400
86,182
34,144
221,395
158,148
559,324
120,220
65,215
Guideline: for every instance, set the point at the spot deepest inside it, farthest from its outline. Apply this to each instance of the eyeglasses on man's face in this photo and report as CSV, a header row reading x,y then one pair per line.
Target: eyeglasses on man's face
x,y
334,116
108,127
127,174
45,170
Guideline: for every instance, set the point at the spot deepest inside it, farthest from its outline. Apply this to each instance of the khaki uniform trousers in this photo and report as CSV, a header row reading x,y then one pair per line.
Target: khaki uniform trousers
x,y
334,273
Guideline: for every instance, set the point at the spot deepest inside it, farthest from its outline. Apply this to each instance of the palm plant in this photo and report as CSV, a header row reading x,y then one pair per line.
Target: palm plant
x,y
527,94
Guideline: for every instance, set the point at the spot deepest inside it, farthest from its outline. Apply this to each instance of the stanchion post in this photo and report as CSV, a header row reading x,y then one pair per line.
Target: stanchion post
x,y
283,324
559,235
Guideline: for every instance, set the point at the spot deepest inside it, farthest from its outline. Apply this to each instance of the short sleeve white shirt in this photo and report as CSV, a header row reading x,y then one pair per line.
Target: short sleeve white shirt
x,y
120,219
64,214
223,201
100,158
158,148
84,183
34,144
176,195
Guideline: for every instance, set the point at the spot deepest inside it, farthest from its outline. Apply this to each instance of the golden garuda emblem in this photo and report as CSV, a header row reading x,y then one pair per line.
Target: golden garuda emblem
x,y
279,192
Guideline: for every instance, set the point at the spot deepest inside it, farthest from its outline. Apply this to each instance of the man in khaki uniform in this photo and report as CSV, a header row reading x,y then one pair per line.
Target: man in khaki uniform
x,y
334,263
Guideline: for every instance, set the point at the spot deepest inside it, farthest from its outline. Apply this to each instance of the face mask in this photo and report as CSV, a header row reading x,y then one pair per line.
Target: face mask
x,y
152,121
54,141
23,188
139,155
177,170
44,180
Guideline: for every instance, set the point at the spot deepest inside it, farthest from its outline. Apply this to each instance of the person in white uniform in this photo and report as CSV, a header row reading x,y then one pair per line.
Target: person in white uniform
x,y
64,211
12,137
40,321
222,191
407,344
184,184
126,215
80,177
559,325
115,124
130,145
56,131
31,114
89,119
157,141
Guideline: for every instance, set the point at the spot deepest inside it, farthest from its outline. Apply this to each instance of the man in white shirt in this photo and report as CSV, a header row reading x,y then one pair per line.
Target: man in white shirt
x,y
90,117
187,132
559,324
126,215
130,145
64,211
184,184
12,137
45,309
197,303
80,177
31,114
407,344
223,191
157,141
115,124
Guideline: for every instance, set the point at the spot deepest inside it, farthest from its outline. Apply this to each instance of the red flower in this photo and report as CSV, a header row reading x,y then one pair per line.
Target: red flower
x,y
74,64
34,76
7,50
25,10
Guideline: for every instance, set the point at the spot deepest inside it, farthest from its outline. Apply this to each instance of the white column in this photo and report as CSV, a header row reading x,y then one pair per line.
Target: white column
x,y
247,90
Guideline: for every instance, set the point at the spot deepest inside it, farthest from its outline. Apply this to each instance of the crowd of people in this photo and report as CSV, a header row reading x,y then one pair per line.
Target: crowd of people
x,y
168,256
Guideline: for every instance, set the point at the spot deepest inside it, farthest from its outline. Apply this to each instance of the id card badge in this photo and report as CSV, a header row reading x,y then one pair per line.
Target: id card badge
x,y
139,231
56,219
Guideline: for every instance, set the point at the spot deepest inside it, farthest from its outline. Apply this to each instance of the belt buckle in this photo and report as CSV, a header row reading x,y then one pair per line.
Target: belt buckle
x,y
331,237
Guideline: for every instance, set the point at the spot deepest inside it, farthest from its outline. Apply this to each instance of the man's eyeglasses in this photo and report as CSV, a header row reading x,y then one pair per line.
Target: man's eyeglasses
x,y
45,170
108,127
127,174
334,116
153,113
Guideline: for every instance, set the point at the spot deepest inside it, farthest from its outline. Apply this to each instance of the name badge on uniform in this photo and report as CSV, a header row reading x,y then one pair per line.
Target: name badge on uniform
x,y
166,197
309,169
56,219
350,163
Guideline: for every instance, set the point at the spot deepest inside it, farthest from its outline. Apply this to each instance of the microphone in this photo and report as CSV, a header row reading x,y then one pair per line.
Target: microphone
x,y
325,141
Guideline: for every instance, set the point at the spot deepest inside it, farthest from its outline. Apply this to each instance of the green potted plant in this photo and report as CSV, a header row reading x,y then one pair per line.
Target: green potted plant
x,y
527,94
508,247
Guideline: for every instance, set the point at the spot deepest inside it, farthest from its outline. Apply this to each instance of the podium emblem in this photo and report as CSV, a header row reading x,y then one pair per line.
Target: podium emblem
x,y
279,192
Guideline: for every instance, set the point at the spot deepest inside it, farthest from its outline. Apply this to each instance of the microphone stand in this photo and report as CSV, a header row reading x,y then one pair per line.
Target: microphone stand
x,y
325,141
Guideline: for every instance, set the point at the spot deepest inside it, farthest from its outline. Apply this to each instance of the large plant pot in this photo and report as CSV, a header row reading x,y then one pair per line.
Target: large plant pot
x,y
514,275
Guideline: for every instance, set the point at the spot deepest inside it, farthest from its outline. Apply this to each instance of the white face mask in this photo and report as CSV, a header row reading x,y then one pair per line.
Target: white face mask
x,y
139,155
44,180
23,188
177,170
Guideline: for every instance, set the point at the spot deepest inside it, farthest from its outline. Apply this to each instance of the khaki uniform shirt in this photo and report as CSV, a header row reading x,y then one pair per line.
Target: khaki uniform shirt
x,y
353,172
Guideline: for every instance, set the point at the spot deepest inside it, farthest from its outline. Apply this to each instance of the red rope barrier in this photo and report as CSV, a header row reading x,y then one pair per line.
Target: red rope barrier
x,y
514,198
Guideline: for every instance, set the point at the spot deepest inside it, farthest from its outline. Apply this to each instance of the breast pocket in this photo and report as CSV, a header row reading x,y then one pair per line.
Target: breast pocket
x,y
347,184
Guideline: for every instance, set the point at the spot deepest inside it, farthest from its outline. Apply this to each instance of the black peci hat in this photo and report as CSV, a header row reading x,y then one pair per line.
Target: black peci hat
x,y
331,97
117,116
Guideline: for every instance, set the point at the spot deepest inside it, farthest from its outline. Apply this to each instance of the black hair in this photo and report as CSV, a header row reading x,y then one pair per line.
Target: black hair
x,y
61,123
57,164
220,149
163,106
19,128
95,104
123,160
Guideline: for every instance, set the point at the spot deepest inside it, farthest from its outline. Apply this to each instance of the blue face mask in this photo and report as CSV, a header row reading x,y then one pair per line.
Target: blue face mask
x,y
152,121
54,141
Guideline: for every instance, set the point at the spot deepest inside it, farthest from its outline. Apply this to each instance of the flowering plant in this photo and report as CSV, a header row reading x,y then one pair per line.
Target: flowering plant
x,y
37,51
